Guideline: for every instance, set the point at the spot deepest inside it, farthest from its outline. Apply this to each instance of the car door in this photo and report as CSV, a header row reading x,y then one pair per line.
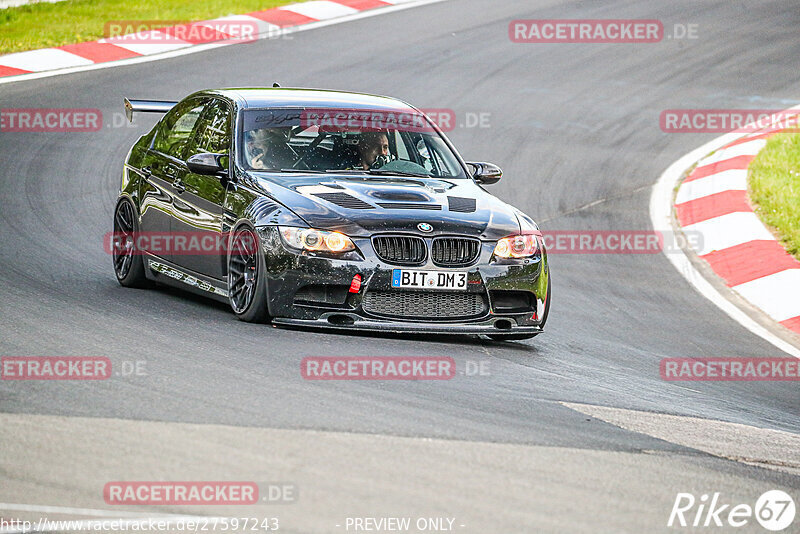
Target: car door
x,y
199,198
162,165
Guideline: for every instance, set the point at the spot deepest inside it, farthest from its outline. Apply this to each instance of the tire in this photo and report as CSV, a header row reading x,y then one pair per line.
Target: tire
x,y
128,265
520,337
246,277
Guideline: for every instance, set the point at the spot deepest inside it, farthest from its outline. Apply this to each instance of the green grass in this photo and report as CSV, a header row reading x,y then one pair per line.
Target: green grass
x,y
43,25
774,186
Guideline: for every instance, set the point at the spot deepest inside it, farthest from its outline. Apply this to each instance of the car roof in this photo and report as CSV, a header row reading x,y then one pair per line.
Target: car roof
x,y
268,97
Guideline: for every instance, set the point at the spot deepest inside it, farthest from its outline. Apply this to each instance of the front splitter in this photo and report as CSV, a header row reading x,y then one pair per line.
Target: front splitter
x,y
340,321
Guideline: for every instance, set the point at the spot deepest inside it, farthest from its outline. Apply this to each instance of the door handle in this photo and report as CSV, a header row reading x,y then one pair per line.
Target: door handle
x,y
179,187
146,171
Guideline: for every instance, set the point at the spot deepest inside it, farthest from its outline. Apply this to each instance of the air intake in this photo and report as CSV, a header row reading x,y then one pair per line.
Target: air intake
x,y
441,305
400,250
455,251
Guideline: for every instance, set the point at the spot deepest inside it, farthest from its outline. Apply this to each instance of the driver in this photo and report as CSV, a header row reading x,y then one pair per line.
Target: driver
x,y
373,150
265,148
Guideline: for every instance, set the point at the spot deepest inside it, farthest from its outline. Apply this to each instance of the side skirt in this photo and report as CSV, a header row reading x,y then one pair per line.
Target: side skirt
x,y
162,271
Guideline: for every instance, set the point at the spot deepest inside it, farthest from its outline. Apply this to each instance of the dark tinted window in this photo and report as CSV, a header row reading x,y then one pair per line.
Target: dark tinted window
x,y
176,128
344,140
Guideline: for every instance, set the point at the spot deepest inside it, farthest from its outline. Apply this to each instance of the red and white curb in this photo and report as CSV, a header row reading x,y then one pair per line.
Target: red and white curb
x,y
163,43
712,202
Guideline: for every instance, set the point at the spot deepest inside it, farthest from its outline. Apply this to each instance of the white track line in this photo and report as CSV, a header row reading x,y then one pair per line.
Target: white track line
x,y
202,47
661,217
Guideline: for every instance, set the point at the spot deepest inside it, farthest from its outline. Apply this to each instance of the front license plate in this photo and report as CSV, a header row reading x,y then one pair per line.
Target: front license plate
x,y
428,279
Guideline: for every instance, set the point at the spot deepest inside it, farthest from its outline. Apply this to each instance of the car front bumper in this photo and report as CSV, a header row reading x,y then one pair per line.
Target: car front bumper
x,y
289,272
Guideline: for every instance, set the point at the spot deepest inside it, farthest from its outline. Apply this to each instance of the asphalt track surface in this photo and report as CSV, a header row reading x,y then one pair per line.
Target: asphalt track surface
x,y
575,128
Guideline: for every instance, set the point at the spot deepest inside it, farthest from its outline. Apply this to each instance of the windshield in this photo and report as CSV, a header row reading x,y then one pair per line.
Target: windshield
x,y
350,141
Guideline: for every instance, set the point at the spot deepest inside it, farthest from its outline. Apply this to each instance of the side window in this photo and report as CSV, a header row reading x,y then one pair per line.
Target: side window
x,y
213,130
176,128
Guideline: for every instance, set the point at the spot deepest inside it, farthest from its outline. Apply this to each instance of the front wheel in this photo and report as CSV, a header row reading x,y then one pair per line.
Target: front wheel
x,y
247,277
128,262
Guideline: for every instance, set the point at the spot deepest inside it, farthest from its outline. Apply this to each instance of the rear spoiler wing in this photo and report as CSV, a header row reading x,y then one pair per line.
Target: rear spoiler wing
x,y
146,106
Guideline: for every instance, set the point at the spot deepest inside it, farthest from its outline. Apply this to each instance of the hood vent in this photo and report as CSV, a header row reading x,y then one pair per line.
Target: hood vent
x,y
401,196
408,206
345,201
461,204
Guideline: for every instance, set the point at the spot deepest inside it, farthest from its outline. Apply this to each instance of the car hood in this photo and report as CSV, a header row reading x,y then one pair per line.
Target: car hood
x,y
362,205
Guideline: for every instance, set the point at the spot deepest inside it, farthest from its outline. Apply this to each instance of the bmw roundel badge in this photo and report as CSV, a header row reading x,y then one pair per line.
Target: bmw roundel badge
x,y
425,227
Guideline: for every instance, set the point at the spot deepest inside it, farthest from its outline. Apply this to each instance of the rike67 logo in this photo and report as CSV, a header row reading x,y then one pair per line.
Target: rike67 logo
x,y
774,510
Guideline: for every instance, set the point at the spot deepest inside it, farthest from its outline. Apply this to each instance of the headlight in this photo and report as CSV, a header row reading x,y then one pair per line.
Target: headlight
x,y
517,246
315,240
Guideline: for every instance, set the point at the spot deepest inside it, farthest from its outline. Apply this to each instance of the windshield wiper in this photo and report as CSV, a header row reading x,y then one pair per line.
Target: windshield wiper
x,y
299,171
377,172
381,172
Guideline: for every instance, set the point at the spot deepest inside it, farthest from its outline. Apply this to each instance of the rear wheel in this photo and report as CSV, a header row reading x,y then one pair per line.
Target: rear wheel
x,y
128,262
246,277
520,337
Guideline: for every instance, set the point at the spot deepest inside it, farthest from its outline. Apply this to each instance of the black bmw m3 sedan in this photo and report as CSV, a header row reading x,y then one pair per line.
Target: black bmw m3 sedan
x,y
325,209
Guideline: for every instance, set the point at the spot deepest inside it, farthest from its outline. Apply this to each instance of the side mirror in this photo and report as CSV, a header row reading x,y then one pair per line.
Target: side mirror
x,y
206,163
485,173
